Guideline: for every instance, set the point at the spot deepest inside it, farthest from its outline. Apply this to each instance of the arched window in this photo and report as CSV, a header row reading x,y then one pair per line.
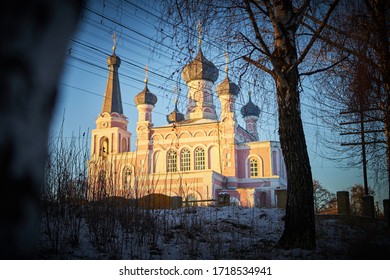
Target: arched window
x,y
104,147
200,159
185,160
253,167
171,161
126,177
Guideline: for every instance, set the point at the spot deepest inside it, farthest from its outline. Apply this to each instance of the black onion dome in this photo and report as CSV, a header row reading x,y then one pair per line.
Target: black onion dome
x,y
145,97
250,109
200,69
227,88
175,116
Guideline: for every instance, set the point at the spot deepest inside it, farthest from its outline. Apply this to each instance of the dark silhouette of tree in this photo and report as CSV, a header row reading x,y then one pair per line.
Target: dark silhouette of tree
x,y
356,201
34,38
360,84
323,199
276,37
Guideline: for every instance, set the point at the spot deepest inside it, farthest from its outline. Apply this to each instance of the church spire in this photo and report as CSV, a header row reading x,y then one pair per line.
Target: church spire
x,y
112,97
227,64
199,27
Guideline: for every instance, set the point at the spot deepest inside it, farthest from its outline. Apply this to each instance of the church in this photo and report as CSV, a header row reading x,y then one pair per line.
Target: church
x,y
198,155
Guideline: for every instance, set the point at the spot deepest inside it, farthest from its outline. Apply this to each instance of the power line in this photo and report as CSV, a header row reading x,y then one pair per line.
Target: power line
x,y
272,115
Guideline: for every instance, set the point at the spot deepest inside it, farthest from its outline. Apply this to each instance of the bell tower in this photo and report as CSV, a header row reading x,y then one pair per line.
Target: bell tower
x,y
200,75
111,135
227,92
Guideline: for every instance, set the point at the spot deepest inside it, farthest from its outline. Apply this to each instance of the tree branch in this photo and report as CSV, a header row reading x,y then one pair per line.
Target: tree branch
x,y
348,34
323,69
257,31
258,65
252,44
260,8
300,11
316,34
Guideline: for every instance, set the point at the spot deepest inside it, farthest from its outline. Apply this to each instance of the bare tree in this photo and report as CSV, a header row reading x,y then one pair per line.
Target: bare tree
x,y
278,38
360,84
357,193
323,199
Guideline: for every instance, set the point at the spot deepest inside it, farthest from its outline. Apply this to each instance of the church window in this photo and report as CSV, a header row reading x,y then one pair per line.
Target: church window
x,y
254,167
185,160
171,161
199,159
126,177
104,147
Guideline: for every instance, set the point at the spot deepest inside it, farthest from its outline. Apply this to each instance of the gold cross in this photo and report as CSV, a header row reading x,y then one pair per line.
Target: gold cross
x,y
249,90
199,33
227,62
146,74
114,46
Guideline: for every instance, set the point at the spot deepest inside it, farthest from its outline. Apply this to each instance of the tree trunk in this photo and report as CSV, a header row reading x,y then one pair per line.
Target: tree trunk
x,y
387,135
299,231
33,46
387,132
378,11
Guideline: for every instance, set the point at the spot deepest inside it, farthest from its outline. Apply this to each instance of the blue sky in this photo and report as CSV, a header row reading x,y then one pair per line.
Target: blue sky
x,y
83,83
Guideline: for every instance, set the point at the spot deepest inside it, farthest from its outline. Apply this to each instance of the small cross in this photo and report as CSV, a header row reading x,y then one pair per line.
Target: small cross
x,y
114,46
227,62
146,74
199,33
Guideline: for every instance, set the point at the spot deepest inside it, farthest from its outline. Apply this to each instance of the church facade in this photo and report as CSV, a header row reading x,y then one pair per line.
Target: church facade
x,y
198,155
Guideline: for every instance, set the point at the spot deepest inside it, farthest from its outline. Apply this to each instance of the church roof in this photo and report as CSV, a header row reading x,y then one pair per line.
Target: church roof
x,y
200,69
226,87
175,116
250,109
145,97
112,96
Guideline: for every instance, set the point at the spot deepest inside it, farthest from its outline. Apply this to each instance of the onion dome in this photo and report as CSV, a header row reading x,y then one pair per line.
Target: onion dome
x,y
175,116
250,109
200,69
113,60
227,88
145,97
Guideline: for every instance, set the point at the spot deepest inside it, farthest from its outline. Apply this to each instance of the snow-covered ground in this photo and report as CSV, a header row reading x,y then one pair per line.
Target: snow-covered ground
x,y
203,233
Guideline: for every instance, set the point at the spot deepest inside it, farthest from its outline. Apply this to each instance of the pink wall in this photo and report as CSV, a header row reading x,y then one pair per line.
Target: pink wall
x,y
241,164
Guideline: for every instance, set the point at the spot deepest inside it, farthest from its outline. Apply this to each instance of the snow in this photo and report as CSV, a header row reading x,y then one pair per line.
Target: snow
x,y
206,233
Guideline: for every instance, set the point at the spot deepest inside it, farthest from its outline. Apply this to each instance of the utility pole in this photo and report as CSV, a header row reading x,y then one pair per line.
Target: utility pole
x,y
363,142
368,200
